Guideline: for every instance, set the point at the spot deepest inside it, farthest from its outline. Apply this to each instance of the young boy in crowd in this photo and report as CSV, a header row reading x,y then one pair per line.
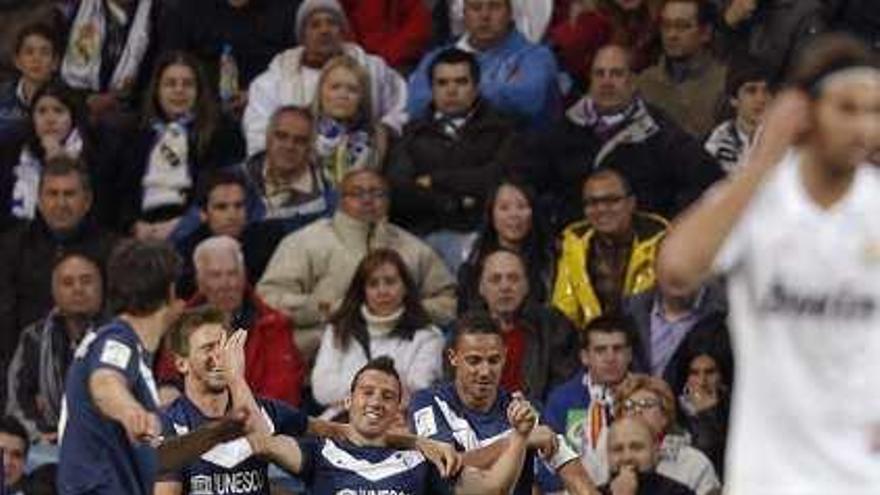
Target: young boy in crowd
x,y
36,58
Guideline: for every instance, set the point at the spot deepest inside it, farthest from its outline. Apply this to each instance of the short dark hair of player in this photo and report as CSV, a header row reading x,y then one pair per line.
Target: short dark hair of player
x,y
455,56
382,364
215,179
141,276
611,323
825,55
37,29
189,322
12,426
474,322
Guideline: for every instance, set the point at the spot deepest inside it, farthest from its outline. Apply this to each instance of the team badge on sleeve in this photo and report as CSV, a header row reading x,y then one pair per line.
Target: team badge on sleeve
x,y
116,354
424,421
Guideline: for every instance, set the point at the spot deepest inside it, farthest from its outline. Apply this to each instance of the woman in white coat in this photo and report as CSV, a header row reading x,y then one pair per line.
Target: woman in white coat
x,y
380,316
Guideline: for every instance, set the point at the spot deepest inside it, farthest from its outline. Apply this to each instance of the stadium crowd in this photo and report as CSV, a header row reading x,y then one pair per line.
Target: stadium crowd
x,y
477,189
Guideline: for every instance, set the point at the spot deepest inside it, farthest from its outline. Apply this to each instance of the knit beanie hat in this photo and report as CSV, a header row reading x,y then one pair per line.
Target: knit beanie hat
x,y
309,7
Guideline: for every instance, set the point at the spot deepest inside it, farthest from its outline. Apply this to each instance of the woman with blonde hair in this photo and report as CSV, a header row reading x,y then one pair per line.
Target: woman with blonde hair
x,y
346,135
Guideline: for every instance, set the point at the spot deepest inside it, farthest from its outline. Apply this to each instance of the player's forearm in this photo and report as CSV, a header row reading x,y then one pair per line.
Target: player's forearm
x,y
111,396
696,237
243,398
176,452
506,471
576,479
280,449
484,457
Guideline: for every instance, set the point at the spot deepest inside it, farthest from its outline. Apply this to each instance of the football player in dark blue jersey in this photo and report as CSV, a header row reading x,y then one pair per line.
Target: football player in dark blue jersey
x,y
110,429
469,411
369,466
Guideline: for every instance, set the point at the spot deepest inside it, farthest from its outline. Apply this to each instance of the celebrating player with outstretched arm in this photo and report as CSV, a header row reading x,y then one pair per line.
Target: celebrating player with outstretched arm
x,y
797,231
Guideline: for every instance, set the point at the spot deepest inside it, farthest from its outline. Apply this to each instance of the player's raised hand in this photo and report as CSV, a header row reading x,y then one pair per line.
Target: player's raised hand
x,y
786,120
626,482
232,356
441,454
545,440
521,415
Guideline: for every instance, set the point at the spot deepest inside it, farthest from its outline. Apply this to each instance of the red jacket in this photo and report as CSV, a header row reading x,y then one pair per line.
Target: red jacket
x,y
396,30
273,365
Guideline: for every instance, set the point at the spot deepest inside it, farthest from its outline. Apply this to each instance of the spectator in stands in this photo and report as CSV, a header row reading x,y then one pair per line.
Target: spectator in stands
x,y
665,317
581,409
310,271
41,481
769,31
287,185
292,76
687,83
468,410
610,254
398,31
748,93
109,53
253,30
39,365
582,27
56,128
63,224
224,210
539,341
182,135
651,399
613,127
633,452
14,445
704,396
273,366
446,163
509,221
381,315
346,136
17,16
36,60
517,76
532,17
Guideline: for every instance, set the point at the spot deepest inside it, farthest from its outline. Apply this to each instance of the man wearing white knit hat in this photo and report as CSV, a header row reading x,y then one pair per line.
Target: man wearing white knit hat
x,y
292,76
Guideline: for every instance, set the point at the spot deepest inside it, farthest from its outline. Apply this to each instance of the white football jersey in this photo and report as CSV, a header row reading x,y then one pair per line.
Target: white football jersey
x,y
804,287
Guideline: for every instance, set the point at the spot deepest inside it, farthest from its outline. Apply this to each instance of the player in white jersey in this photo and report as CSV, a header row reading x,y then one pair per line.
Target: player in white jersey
x,y
797,232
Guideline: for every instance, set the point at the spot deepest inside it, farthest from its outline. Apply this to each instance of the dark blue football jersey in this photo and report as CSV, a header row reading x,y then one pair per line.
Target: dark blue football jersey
x,y
440,414
229,468
96,456
341,468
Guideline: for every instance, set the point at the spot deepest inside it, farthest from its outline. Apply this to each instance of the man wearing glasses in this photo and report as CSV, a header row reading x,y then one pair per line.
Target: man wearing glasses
x,y
608,255
311,268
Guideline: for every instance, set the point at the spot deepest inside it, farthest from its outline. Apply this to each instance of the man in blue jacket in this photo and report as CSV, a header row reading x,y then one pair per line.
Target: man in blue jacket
x,y
518,77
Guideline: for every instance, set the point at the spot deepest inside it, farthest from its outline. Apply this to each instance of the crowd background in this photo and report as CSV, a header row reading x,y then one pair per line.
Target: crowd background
x,y
343,179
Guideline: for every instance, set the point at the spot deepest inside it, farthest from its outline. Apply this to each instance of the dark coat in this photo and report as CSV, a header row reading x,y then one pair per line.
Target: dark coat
x,y
27,254
666,167
466,166
120,190
654,484
256,33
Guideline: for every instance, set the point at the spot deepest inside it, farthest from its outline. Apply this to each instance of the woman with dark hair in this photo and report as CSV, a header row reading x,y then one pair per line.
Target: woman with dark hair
x,y
509,223
182,135
56,127
379,315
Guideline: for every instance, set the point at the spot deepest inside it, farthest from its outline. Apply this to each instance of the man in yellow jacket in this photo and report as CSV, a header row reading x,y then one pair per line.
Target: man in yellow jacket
x,y
610,254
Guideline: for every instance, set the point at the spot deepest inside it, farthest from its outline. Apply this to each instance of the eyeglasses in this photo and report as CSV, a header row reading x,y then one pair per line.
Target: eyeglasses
x,y
611,200
641,405
363,194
